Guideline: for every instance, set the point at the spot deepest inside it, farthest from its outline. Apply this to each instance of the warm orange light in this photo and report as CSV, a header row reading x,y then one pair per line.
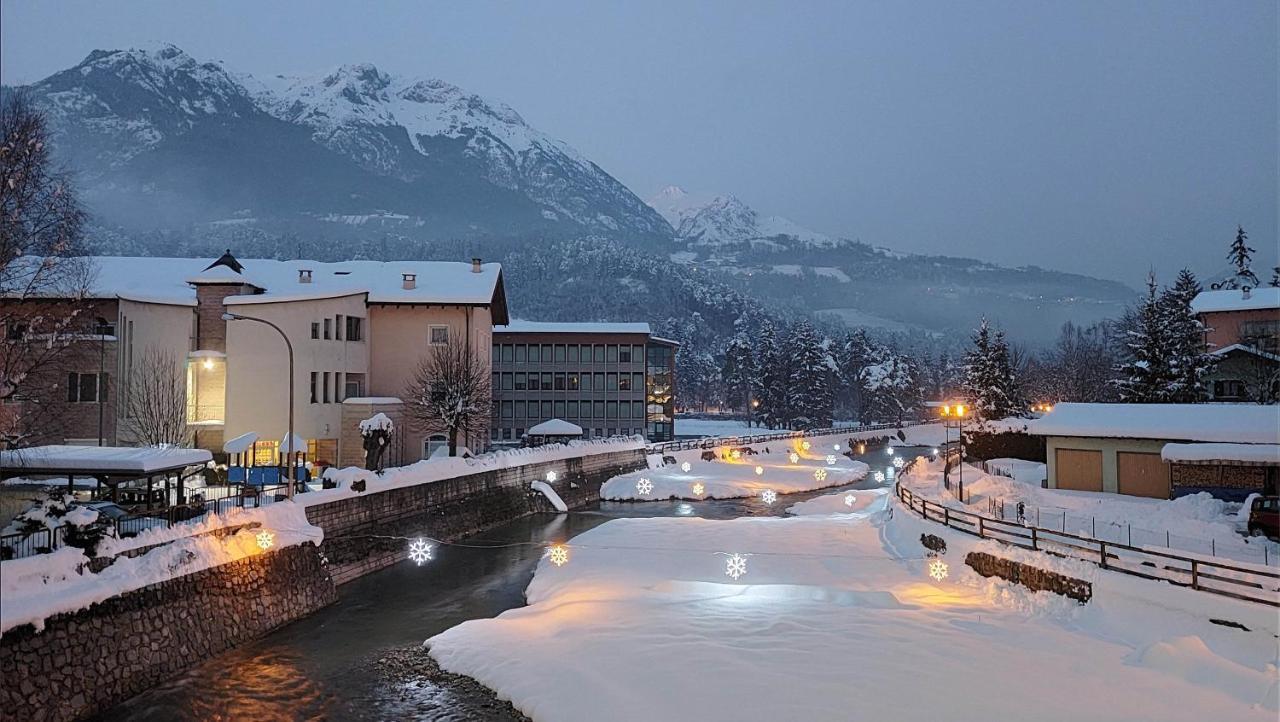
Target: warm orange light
x,y
960,409
208,364
946,410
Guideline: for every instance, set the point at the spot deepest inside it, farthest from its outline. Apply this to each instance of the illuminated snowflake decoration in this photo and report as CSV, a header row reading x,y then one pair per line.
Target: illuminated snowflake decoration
x,y
768,496
558,554
759,470
551,477
831,459
795,458
820,474
880,477
938,569
735,566
889,451
644,486
805,445
935,452
898,462
266,540
836,447
735,454
698,488
419,552
685,467
850,500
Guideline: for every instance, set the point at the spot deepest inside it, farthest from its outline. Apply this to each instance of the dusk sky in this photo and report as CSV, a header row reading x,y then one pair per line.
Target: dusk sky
x,y
1097,137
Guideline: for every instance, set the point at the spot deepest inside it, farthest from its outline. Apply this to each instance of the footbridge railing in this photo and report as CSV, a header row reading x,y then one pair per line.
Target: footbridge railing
x,y
708,442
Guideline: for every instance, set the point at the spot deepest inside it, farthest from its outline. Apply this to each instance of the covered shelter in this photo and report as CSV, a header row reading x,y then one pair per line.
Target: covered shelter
x,y
552,431
113,466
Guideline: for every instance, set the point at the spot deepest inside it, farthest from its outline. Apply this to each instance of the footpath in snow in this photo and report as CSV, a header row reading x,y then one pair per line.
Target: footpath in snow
x,y
833,617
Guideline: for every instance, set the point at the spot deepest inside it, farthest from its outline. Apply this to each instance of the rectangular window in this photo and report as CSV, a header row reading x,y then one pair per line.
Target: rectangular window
x,y
337,326
533,383
519,432
573,353
546,409
586,381
506,434
637,411
613,432
574,383
328,328
599,381
521,412
624,410
337,386
534,356
506,353
324,386
508,409
611,353
599,409
624,354
599,432
354,387
355,330
520,385
314,390
84,387
611,408
599,353
493,434
520,353
546,380
637,354
637,381
495,355
559,381
624,382
438,335
611,382
506,381
495,381
572,411
315,329
559,409
560,353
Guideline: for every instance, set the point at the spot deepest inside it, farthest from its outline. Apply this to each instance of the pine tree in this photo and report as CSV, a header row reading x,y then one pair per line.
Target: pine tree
x,y
1186,356
854,355
1241,255
1275,277
808,388
892,391
740,372
771,377
990,384
1145,376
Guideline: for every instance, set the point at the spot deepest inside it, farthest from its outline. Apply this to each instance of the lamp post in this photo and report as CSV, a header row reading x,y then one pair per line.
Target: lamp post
x,y
101,330
289,470
751,411
958,412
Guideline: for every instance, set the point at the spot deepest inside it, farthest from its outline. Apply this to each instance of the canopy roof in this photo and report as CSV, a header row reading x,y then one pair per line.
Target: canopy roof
x,y
120,461
554,427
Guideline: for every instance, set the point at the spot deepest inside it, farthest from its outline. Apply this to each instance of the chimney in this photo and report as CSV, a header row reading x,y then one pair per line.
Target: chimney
x,y
475,265
304,275
410,281
1246,291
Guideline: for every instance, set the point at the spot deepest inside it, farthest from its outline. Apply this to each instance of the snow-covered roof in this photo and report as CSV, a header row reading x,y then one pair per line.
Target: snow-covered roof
x,y
1235,423
374,400
299,443
1248,453
518,326
1245,349
241,443
101,459
1260,299
554,427
169,280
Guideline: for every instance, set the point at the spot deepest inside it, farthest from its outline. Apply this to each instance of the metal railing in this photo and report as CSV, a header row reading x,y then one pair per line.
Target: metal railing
x,y
708,442
1206,575
41,541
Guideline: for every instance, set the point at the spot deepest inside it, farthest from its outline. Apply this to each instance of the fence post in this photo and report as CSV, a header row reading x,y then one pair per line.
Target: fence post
x,y
1093,528
1213,546
1195,574
1102,550
981,530
1034,542
946,515
1130,527
1167,545
1037,516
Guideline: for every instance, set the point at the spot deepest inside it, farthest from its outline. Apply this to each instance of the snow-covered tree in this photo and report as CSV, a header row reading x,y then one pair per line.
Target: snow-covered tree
x,y
808,389
375,434
1080,366
891,391
990,385
1187,358
1144,373
852,355
1241,256
1275,277
450,394
774,371
699,379
739,372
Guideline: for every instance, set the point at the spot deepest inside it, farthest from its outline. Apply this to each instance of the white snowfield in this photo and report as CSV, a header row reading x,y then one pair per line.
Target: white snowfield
x,y
836,619
737,478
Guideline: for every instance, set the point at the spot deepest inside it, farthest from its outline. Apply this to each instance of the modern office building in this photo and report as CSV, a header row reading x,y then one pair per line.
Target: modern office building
x,y
608,378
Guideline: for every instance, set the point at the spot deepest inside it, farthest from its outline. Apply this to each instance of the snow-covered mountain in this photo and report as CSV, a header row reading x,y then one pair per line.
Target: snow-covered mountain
x,y
725,223
432,155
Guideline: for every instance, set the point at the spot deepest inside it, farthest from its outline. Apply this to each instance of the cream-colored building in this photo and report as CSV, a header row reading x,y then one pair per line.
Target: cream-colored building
x,y
358,330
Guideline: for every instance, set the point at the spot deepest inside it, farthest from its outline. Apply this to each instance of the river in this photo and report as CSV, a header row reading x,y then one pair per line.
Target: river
x,y
361,658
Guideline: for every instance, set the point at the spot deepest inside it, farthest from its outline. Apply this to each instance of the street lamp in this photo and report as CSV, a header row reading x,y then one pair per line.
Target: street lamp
x,y
751,413
289,469
957,412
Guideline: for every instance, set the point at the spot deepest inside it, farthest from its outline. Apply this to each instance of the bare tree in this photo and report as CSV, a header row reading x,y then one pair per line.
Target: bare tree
x,y
450,394
156,400
42,285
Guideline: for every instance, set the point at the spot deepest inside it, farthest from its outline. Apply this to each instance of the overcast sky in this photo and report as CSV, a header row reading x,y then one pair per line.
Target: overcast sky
x,y
1101,137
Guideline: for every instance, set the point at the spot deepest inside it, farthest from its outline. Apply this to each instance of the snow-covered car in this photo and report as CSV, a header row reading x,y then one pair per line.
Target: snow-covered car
x,y
113,514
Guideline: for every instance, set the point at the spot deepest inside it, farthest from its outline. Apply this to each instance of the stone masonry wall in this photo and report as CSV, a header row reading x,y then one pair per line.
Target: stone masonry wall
x,y
1033,578
84,662
451,508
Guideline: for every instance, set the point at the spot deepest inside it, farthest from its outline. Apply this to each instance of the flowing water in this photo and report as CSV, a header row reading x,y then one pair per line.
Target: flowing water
x,y
361,658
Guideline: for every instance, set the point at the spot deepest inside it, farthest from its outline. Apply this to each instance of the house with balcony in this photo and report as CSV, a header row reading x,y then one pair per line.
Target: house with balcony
x,y
1242,328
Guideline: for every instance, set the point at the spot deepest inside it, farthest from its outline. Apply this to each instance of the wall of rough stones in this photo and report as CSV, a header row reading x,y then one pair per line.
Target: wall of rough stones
x,y
451,508
84,662
1033,578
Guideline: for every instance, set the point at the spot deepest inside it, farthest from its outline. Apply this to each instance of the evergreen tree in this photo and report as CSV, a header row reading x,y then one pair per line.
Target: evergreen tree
x,y
1186,356
990,384
740,372
1145,375
771,377
808,389
892,391
1275,277
1241,255
854,355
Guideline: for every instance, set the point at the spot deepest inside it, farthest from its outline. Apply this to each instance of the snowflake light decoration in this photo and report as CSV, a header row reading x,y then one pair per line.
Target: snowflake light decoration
x,y
644,486
850,500
938,569
898,462
419,551
698,488
794,457
558,554
551,477
685,467
768,496
265,540
820,474
889,451
836,447
759,470
880,477
805,445
735,454
735,566
831,459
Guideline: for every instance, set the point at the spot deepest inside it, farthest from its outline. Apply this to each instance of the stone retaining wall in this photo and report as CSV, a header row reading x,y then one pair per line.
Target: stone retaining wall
x,y
84,662
452,508
1033,578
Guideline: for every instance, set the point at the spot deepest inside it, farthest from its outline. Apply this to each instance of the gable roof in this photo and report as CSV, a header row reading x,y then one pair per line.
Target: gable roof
x,y
1233,299
1236,423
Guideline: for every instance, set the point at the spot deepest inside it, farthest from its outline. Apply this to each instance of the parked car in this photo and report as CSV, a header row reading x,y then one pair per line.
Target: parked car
x,y
1264,517
113,513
